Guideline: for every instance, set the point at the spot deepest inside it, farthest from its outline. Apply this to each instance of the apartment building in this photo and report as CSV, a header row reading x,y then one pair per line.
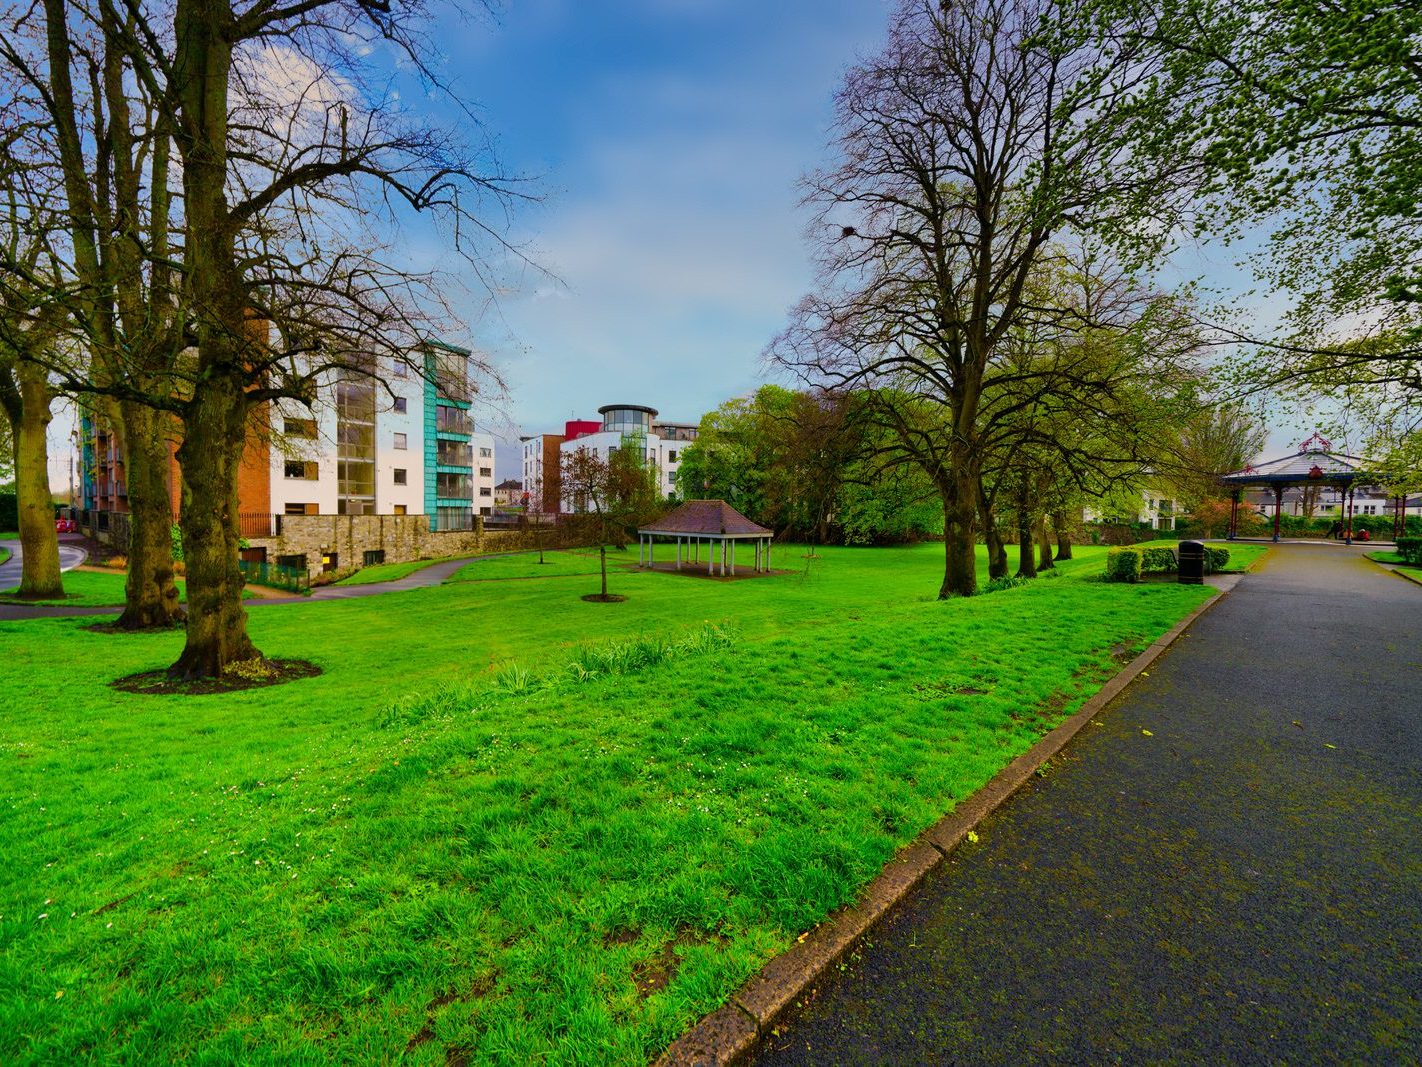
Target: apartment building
x,y
635,425
402,445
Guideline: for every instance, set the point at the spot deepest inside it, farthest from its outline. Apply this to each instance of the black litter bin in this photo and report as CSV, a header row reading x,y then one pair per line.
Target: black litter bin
x,y
1191,555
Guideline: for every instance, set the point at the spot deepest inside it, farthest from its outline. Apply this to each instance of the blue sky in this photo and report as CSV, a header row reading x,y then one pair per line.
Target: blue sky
x,y
668,136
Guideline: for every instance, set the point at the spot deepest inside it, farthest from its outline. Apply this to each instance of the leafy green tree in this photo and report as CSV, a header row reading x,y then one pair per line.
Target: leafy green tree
x,y
611,496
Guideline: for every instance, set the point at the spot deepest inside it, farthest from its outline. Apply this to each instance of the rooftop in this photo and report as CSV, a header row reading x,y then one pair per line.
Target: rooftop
x,y
706,518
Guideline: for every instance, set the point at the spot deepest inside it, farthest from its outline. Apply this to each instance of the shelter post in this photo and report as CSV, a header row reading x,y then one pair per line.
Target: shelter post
x,y
1278,509
1348,533
1233,515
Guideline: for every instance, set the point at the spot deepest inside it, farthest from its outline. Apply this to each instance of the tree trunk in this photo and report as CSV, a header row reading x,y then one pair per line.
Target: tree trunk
x,y
959,491
40,576
150,595
602,560
211,454
996,550
1044,546
1026,564
1063,532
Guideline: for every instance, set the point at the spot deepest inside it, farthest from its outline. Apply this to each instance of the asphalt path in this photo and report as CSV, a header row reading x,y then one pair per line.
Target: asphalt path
x,y
1227,869
70,556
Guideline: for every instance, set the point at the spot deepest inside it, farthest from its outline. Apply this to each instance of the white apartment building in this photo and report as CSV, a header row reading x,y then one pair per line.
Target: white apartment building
x,y
633,425
407,447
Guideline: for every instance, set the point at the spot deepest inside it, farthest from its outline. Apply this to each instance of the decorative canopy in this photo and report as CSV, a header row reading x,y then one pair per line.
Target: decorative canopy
x,y
705,518
713,521
1313,463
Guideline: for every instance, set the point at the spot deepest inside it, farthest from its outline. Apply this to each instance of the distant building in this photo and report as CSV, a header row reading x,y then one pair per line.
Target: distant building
x,y
405,447
508,493
635,426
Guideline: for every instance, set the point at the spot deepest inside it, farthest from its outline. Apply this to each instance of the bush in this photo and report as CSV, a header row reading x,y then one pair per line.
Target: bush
x,y
1216,559
1410,549
1007,581
1123,565
176,534
9,510
1161,560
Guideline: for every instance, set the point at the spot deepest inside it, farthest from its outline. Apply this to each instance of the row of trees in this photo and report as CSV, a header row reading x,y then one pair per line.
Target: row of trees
x,y
1005,171
199,202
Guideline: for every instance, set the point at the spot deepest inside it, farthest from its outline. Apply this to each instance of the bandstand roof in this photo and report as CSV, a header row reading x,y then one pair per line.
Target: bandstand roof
x,y
705,518
1308,466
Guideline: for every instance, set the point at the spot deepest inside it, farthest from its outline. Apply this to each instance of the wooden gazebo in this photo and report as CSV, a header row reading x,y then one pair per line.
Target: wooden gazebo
x,y
713,522
1314,464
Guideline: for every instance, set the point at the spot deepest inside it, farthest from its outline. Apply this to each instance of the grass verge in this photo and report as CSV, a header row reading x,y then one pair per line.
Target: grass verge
x,y
556,564
504,824
93,589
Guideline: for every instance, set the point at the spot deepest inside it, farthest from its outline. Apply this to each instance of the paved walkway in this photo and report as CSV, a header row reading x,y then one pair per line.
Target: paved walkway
x,y
1245,885
70,556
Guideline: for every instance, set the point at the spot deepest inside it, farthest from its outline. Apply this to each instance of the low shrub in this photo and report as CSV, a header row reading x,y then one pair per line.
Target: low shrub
x,y
1123,565
1410,549
1157,560
1216,559
1007,581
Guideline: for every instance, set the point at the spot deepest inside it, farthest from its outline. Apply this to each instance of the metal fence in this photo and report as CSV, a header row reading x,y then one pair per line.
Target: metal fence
x,y
295,579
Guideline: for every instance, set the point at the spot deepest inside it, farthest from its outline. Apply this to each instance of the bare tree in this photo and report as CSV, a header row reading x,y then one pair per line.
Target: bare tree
x,y
963,152
293,165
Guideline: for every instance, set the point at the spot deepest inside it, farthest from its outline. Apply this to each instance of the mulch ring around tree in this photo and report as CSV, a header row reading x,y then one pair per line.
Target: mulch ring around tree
x,y
598,598
249,674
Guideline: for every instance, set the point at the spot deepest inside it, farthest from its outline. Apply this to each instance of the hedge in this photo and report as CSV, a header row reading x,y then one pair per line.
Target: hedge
x,y
1124,564
1216,559
1155,560
1410,549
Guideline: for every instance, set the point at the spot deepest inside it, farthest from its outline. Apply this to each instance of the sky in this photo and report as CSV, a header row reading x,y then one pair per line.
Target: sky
x,y
666,139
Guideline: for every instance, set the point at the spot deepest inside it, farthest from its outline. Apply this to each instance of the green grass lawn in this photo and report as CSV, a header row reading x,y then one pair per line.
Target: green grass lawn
x,y
1385,556
5,554
556,564
92,589
495,831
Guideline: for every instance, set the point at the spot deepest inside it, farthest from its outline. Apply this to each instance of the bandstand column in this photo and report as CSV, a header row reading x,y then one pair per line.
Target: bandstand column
x,y
1278,509
1348,533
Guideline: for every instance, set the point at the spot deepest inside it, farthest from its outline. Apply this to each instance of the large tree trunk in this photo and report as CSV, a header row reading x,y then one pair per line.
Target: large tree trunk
x,y
211,455
1044,546
959,491
996,549
150,595
40,577
1063,532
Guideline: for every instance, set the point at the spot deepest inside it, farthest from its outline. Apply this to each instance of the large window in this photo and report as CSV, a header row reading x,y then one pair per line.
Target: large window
x,y
454,454
295,468
452,420
355,448
453,486
454,518
305,429
401,476
402,441
401,405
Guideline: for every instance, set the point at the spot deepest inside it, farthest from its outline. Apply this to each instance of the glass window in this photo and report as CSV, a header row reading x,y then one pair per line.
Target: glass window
x,y
401,404
671,455
485,453
399,509
400,476
486,472
302,428
484,490
400,441
296,468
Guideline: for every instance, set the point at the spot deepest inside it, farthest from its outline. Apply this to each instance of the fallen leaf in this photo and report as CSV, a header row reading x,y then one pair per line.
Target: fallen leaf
x,y
1327,745
1146,733
1298,724
58,994
973,836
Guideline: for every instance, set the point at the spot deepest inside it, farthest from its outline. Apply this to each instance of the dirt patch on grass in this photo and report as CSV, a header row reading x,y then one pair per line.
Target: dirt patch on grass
x,y
111,628
274,672
598,598
481,988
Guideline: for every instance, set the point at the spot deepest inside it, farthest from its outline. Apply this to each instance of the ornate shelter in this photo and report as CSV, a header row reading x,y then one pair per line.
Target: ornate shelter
x,y
1313,464
711,521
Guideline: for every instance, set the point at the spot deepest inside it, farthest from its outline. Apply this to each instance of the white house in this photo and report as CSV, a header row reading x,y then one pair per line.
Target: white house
x,y
635,426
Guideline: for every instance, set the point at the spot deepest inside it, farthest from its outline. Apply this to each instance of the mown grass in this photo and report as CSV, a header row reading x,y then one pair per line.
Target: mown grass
x,y
1386,557
556,564
505,825
5,554
94,589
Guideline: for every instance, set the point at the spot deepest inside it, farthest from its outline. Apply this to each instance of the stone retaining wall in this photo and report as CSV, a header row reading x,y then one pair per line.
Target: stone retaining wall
x,y
400,537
